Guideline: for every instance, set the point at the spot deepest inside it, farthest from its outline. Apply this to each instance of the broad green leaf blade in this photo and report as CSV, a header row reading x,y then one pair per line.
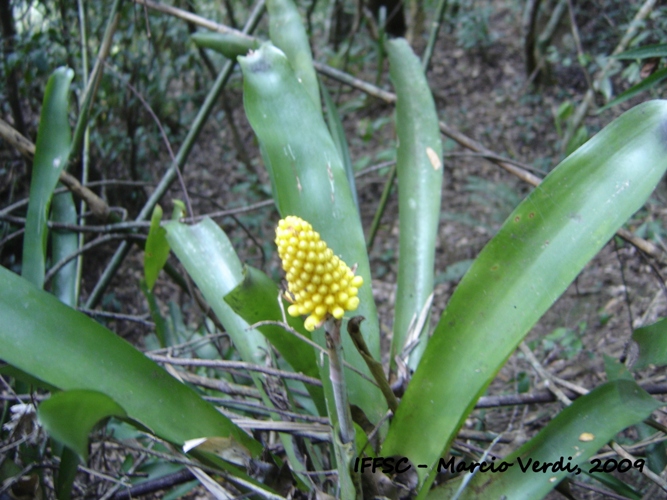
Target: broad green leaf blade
x,y
256,299
26,378
210,259
310,182
537,253
338,135
652,341
657,50
645,84
156,251
51,152
567,442
70,416
419,167
289,35
43,337
64,244
230,45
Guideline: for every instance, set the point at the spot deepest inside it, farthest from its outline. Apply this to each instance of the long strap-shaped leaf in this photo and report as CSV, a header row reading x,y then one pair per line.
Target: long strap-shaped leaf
x,y
289,35
61,346
538,252
310,181
51,151
565,445
419,166
210,259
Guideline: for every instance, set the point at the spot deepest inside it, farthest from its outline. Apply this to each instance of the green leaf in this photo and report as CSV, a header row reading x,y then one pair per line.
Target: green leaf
x,y
309,181
617,485
657,459
256,299
566,444
210,259
289,35
338,135
51,152
656,453
652,342
616,370
26,378
419,166
230,45
50,341
69,466
578,139
537,253
657,50
70,416
156,251
162,331
645,84
64,244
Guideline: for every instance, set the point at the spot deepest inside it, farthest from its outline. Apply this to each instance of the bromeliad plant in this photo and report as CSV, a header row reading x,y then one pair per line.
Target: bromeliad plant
x,y
537,253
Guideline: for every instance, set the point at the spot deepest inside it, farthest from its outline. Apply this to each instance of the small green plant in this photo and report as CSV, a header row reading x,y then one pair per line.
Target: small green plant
x,y
563,122
566,340
473,26
652,55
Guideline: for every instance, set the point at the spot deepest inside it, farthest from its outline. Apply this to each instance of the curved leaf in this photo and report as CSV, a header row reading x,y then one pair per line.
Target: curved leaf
x,y
645,84
652,341
50,341
564,445
657,50
289,35
210,259
230,45
338,135
156,251
51,152
419,167
70,416
310,181
64,244
256,299
537,253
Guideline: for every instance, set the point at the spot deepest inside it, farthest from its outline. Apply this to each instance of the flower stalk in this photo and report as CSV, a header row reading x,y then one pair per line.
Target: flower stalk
x,y
337,377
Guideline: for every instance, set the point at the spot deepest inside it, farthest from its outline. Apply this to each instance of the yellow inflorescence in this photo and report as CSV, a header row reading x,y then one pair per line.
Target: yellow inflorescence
x,y
318,281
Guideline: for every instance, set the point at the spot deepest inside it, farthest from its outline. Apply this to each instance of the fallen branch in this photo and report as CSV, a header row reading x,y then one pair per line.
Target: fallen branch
x,y
97,205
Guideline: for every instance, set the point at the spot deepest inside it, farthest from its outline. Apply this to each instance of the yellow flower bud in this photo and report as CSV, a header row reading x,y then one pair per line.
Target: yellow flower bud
x,y
320,282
